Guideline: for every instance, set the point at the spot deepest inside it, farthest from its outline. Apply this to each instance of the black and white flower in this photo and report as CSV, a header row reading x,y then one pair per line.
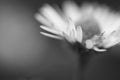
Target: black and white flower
x,y
94,26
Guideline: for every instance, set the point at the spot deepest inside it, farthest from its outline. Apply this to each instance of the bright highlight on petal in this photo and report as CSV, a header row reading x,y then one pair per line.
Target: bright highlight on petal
x,y
89,44
50,35
99,50
51,30
93,26
79,34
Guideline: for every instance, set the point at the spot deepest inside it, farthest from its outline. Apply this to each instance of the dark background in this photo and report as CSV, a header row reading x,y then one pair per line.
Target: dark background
x,y
27,55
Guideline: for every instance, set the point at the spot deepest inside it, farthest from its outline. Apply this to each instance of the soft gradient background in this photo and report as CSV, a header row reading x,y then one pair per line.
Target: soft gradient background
x,y
27,55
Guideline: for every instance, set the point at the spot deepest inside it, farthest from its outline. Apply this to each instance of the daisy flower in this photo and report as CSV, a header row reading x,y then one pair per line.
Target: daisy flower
x,y
93,26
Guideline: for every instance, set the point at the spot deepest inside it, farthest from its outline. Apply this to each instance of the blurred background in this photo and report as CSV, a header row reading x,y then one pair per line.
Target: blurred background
x,y
27,55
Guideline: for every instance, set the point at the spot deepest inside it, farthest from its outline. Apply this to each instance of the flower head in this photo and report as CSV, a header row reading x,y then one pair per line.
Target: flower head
x,y
93,26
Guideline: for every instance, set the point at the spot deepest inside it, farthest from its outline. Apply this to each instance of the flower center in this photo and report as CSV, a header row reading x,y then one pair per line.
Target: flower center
x,y
90,28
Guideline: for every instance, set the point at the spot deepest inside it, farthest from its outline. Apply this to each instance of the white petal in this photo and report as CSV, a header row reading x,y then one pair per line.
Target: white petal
x,y
70,33
108,21
50,35
42,20
51,30
87,11
79,34
89,44
112,39
53,16
72,10
99,50
70,38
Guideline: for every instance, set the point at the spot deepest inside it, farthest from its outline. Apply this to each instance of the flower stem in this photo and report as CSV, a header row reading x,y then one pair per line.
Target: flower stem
x,y
83,59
